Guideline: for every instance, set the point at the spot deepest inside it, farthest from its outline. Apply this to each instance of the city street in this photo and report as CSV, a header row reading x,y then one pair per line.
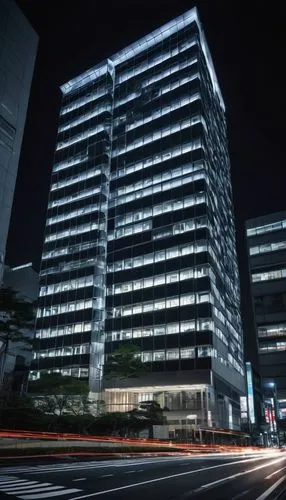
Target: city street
x,y
224,477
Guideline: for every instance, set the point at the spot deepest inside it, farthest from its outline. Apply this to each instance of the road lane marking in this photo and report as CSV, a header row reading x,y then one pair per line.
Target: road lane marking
x,y
39,496
270,490
238,474
80,479
275,472
93,467
66,469
132,471
29,484
90,465
106,475
164,478
42,488
6,478
63,466
174,459
53,471
12,481
239,495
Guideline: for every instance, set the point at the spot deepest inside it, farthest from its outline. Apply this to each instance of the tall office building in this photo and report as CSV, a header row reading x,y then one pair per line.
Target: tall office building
x,y
266,238
140,240
18,48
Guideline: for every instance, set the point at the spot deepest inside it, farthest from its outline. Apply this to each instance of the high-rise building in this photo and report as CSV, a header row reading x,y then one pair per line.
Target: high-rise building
x,y
18,42
140,240
266,238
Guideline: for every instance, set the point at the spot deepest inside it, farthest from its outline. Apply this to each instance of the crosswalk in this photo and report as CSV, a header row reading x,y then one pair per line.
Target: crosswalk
x,y
32,490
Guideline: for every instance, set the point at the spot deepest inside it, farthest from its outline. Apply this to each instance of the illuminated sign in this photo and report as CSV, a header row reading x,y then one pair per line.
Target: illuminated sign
x,y
243,404
250,394
243,408
230,417
267,415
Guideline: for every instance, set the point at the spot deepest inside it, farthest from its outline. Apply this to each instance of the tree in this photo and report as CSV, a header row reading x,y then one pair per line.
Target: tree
x,y
125,362
150,407
120,423
16,319
66,400
56,383
152,412
20,413
109,423
56,394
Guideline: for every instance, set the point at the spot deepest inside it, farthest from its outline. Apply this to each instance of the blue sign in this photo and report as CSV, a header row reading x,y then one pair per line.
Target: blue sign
x,y
250,393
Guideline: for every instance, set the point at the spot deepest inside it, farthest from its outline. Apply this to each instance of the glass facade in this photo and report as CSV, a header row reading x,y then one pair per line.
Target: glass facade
x,y
140,240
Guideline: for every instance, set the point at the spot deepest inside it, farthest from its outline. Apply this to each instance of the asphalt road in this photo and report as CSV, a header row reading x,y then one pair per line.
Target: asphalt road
x,y
249,477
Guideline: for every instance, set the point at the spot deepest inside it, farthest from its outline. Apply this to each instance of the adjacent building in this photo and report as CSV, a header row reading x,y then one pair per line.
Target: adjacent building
x,y
140,240
266,238
18,42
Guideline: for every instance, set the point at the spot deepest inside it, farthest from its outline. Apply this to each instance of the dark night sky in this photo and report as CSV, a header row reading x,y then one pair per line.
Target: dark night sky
x,y
246,42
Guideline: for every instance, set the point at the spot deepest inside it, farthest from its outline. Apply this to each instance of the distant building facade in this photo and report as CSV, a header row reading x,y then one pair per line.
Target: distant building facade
x,y
266,240
18,42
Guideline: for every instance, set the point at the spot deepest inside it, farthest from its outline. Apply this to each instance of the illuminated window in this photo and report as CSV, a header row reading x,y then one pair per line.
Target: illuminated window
x,y
83,118
272,347
158,355
62,308
137,190
187,352
146,357
77,178
268,247
272,330
79,137
158,256
73,231
74,197
91,96
267,228
172,354
269,275
206,351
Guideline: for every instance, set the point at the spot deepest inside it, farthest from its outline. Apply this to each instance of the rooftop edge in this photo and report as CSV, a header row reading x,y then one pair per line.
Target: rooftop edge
x,y
147,41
